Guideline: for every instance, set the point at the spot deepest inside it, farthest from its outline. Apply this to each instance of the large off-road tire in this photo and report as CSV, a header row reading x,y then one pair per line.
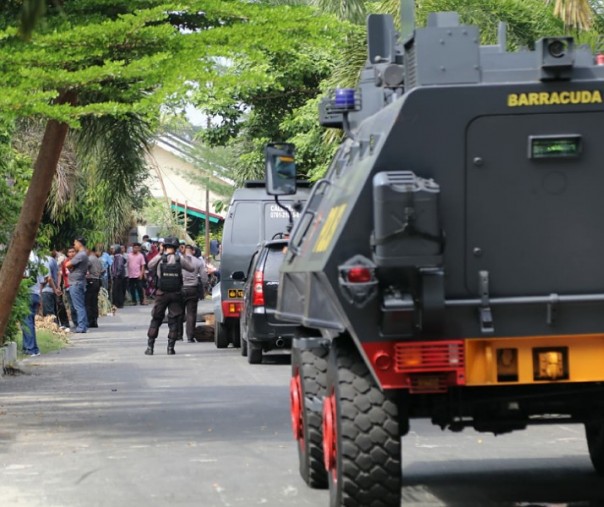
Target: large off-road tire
x,y
254,353
361,435
221,338
307,389
595,444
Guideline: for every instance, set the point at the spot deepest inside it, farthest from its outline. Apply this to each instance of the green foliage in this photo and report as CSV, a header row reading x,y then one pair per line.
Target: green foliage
x,y
114,65
282,106
158,212
123,59
350,10
19,311
527,20
112,153
212,161
252,94
48,341
256,68
15,171
82,200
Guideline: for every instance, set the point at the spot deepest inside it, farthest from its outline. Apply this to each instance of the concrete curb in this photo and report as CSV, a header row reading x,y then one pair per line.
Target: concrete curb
x,y
8,357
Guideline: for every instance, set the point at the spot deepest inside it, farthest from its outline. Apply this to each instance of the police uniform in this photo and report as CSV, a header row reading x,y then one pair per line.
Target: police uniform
x,y
191,292
167,298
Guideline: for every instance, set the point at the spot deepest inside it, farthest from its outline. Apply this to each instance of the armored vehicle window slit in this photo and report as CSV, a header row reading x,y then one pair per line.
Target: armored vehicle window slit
x,y
558,146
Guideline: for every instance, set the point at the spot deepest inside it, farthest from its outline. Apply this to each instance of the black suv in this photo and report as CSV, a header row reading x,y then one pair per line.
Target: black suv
x,y
260,330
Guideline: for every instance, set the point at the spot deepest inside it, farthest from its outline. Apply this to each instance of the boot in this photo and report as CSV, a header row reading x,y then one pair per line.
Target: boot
x,y
171,347
150,343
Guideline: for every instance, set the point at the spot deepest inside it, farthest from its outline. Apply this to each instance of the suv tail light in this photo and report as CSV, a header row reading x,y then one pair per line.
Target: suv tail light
x,y
258,289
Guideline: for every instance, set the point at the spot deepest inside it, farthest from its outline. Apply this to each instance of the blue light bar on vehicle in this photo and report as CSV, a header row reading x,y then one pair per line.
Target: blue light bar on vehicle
x,y
345,99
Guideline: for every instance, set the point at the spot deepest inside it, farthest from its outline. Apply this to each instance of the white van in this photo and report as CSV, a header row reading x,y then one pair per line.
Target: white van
x,y
253,216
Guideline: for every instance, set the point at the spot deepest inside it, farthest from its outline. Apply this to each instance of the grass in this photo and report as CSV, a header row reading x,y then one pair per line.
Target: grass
x,y
47,342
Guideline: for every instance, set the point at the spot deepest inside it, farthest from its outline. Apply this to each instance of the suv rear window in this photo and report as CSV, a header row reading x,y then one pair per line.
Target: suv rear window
x,y
274,260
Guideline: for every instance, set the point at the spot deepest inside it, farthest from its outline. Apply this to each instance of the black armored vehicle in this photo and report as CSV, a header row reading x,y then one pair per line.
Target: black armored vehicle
x,y
253,216
449,266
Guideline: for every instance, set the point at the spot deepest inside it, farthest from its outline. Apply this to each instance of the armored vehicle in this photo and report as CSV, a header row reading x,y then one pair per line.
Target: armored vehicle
x,y
253,216
449,266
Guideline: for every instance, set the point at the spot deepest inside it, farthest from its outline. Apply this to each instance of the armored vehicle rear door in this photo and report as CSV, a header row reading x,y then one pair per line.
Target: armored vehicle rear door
x,y
534,206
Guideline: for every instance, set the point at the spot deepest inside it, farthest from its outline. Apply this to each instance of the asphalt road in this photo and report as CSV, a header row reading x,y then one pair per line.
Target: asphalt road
x,y
101,424
542,466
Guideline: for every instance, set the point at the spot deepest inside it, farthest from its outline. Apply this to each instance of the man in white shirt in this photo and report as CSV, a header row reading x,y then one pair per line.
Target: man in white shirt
x,y
36,270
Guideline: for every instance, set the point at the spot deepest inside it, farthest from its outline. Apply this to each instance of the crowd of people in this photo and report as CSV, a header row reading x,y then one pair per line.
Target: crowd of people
x,y
67,284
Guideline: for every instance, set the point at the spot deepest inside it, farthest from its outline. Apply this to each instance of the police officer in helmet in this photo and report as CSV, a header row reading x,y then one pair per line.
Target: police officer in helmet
x,y
168,265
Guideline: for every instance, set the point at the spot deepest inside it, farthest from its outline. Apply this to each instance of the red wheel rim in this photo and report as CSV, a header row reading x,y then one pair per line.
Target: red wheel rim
x,y
295,397
330,435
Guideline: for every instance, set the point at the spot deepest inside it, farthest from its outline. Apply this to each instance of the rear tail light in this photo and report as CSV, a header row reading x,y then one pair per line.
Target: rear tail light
x,y
359,274
432,356
231,308
258,289
358,280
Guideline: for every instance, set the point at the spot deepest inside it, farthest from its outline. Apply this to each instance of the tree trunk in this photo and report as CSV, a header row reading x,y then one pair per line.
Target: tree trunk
x,y
30,217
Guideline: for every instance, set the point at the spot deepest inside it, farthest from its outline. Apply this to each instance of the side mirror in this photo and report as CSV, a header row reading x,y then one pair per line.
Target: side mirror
x,y
238,275
280,169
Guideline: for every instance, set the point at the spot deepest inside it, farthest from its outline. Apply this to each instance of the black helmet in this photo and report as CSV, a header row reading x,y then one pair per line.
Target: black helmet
x,y
171,241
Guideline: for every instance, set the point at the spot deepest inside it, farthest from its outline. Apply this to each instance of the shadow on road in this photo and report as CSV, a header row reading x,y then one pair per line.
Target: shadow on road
x,y
276,358
114,412
568,481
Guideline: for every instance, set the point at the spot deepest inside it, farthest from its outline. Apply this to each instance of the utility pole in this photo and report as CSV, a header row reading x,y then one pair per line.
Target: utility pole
x,y
186,217
207,247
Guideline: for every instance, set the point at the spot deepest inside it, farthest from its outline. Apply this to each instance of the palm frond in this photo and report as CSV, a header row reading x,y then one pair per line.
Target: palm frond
x,y
113,152
576,14
350,10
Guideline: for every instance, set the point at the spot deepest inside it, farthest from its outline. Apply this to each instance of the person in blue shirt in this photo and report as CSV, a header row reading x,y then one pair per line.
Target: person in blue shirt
x,y
106,261
214,248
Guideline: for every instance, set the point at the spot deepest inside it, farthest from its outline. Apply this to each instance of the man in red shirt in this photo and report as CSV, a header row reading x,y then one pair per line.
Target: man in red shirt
x,y
136,272
64,280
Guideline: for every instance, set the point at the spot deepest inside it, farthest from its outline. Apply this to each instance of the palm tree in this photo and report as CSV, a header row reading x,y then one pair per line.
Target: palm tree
x,y
575,14
351,10
106,149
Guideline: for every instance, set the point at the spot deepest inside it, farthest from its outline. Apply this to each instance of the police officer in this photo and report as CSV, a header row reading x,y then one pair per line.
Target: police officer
x,y
168,265
192,291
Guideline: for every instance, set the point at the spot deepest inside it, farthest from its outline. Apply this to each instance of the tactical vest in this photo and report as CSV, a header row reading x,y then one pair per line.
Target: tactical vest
x,y
170,275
